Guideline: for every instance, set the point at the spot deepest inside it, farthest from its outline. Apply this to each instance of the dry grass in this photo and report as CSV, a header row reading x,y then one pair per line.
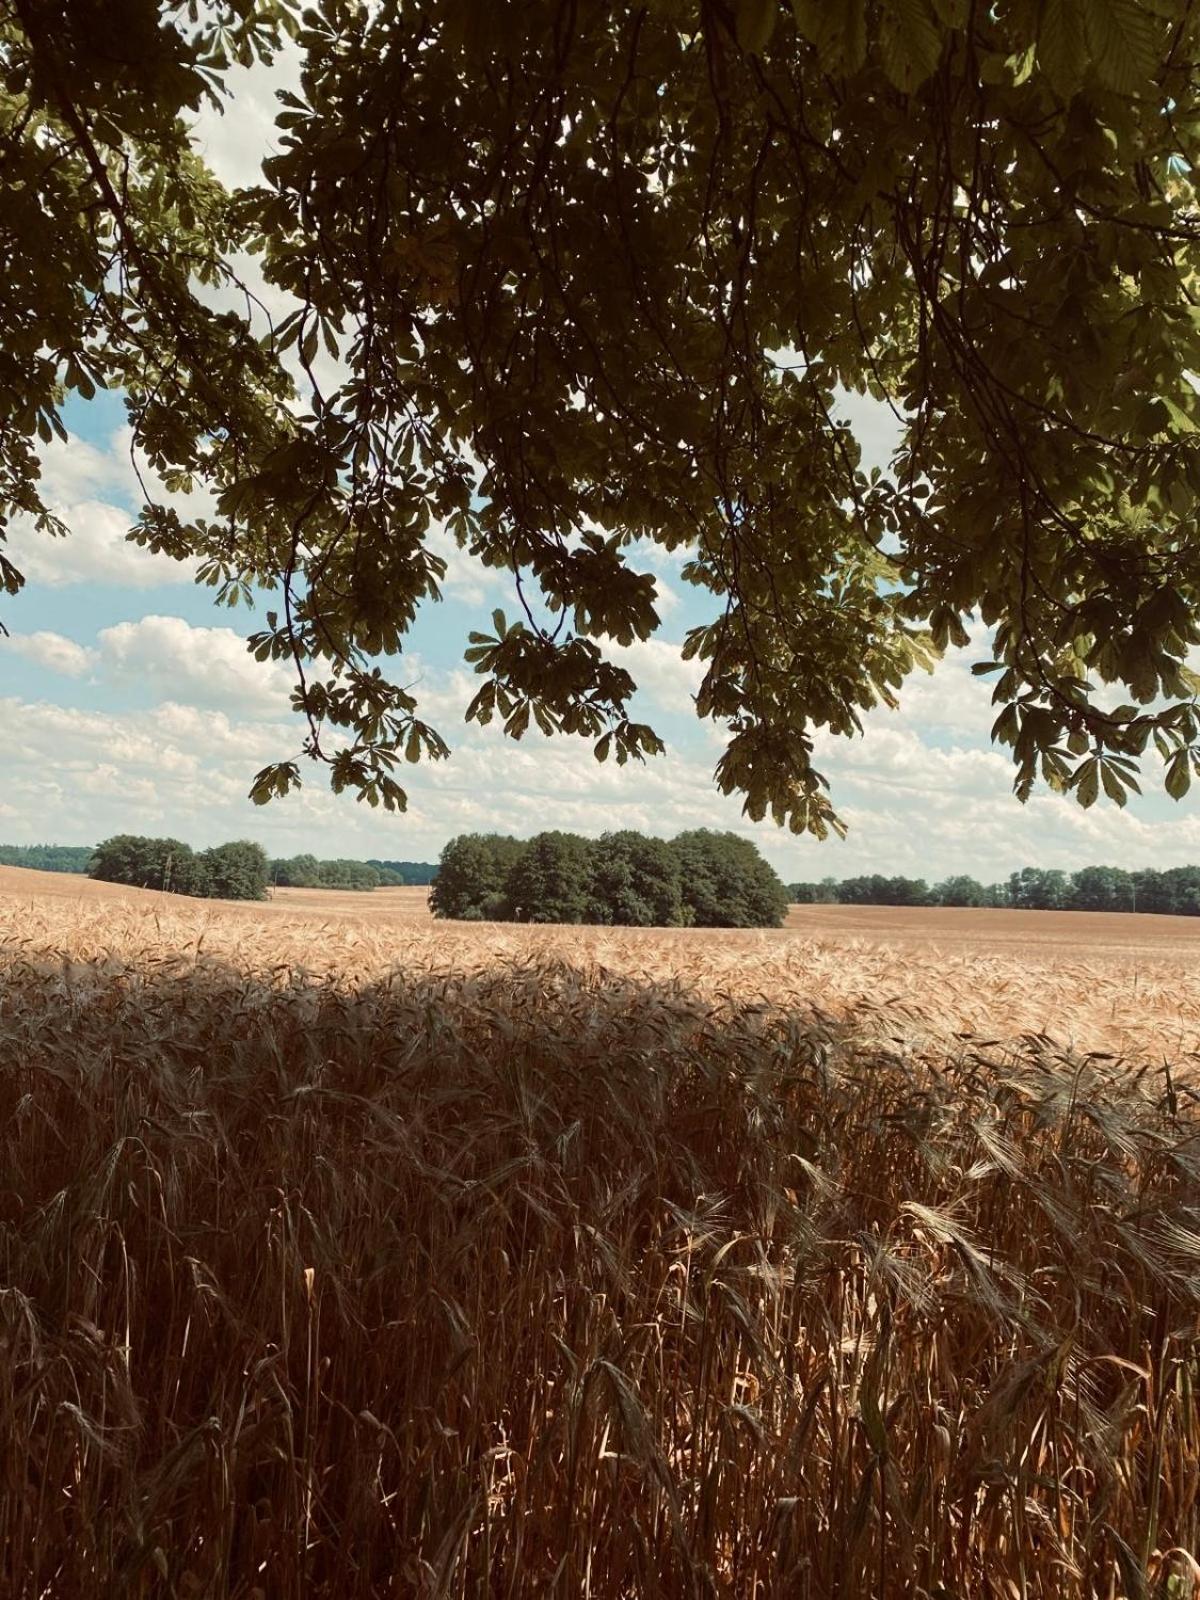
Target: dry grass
x,y
344,1261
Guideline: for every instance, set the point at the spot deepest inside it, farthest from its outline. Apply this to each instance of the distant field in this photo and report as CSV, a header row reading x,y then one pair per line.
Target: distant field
x,y
345,1254
1102,981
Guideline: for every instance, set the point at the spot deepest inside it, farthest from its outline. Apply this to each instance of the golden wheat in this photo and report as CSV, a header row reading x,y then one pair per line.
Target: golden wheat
x,y
341,1259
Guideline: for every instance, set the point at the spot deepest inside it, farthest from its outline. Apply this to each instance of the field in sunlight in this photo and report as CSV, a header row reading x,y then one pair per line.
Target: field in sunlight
x,y
347,1254
1093,980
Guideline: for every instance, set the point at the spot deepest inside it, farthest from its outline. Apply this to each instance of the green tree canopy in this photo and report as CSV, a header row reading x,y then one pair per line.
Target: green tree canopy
x,y
594,272
635,881
551,879
236,871
144,863
1102,889
1039,889
625,878
47,857
296,872
418,873
875,889
960,890
472,877
726,883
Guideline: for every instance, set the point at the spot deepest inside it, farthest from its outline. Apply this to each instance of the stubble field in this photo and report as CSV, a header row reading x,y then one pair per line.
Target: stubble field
x,y
344,1253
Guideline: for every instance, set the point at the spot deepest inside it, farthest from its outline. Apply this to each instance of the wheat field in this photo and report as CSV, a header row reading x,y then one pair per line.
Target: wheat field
x,y
346,1255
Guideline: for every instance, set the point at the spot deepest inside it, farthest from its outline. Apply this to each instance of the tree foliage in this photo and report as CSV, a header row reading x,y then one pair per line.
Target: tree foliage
x,y
636,881
569,274
551,879
624,879
472,877
47,857
306,872
235,871
416,873
1173,891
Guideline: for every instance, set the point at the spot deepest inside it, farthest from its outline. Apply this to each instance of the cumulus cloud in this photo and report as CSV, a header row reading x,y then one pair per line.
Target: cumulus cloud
x,y
53,651
95,551
466,579
195,666
235,141
184,766
660,672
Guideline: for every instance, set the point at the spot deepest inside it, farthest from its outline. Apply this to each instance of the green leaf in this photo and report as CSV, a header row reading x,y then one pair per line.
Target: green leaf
x,y
837,29
910,42
1125,40
1086,783
1061,47
1179,778
755,24
1113,787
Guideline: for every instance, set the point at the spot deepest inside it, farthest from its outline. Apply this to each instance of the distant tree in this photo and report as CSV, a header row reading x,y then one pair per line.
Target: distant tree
x,y
1039,889
551,879
47,857
814,894
726,883
192,874
142,862
296,872
237,871
1154,892
343,874
960,891
416,873
634,881
863,890
876,890
1102,889
1184,885
472,877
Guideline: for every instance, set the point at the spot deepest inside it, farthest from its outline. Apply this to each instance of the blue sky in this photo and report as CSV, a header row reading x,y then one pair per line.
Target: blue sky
x,y
129,703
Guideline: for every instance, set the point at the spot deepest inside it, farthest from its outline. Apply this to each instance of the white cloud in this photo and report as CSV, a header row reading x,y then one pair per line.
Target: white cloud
x,y
184,767
196,666
234,142
660,672
466,579
52,651
95,551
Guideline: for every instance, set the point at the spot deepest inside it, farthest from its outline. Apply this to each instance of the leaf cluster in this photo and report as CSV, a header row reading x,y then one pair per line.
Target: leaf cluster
x,y
563,278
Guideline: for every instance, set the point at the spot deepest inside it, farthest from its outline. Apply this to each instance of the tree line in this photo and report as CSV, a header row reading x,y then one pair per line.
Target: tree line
x,y
170,864
234,871
698,879
1173,891
47,857
307,872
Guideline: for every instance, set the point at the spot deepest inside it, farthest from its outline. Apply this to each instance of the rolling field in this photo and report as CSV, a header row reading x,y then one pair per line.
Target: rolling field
x,y
347,1254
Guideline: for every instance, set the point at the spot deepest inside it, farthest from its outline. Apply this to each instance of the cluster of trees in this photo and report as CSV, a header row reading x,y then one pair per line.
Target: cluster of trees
x,y
306,872
235,871
698,879
169,864
47,857
414,874
1174,891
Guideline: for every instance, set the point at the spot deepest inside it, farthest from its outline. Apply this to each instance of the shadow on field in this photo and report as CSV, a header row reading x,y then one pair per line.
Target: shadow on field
x,y
545,1281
